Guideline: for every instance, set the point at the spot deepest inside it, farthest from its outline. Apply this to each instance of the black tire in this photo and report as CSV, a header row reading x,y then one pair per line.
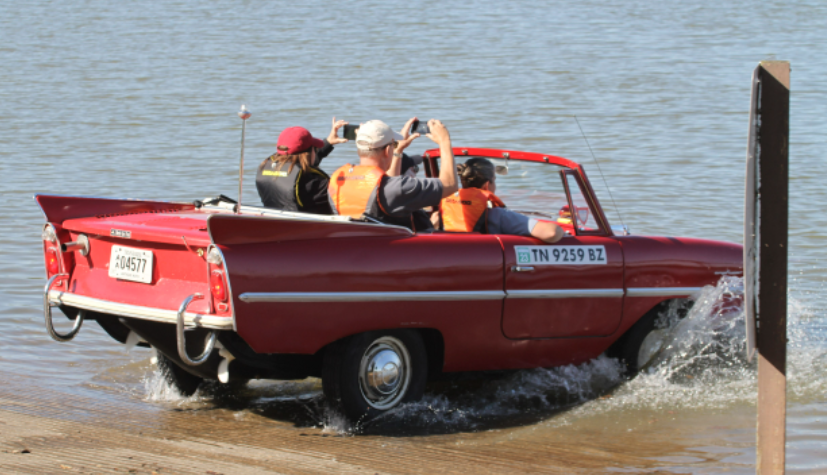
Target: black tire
x,y
363,398
183,381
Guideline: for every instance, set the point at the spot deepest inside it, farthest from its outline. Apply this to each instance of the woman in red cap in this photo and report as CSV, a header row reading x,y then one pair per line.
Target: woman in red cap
x,y
291,179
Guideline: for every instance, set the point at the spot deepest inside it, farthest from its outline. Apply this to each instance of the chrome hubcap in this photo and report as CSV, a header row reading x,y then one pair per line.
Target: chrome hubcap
x,y
650,347
385,372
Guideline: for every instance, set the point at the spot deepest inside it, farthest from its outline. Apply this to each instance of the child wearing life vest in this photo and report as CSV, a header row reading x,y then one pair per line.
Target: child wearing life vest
x,y
475,208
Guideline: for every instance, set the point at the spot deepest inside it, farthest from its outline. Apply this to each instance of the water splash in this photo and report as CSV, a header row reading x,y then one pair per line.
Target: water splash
x,y
806,355
156,388
520,398
702,362
709,344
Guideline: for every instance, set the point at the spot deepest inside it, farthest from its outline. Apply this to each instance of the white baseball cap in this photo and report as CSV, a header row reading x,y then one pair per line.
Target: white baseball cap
x,y
375,134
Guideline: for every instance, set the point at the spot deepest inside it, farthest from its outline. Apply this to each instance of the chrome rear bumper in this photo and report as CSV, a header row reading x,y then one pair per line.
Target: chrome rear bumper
x,y
57,297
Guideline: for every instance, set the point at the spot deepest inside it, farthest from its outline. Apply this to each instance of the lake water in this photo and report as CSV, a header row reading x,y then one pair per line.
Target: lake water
x,y
127,99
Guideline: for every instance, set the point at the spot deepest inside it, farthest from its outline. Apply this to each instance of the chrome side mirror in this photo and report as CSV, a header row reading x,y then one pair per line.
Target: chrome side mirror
x,y
621,230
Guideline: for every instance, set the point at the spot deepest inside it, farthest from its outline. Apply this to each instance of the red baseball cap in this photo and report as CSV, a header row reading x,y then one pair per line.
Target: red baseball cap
x,y
296,140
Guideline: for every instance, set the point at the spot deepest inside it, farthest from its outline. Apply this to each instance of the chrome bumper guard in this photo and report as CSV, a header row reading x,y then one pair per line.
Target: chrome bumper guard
x,y
191,320
47,314
181,339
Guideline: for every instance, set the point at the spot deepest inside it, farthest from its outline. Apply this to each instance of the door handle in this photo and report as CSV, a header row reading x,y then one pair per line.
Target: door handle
x,y
522,269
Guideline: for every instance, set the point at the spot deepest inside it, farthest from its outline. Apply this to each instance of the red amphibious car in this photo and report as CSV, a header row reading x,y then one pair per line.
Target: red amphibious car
x,y
236,293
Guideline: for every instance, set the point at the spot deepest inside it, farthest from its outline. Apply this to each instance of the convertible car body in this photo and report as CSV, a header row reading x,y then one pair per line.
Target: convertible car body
x,y
373,309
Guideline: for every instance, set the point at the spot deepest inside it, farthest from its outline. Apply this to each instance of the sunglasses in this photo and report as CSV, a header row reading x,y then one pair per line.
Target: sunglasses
x,y
394,143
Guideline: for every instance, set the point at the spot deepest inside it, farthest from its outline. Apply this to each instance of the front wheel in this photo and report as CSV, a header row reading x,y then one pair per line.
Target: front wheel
x,y
646,338
370,373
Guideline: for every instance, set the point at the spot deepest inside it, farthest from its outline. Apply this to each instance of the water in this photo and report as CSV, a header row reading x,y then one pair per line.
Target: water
x,y
139,100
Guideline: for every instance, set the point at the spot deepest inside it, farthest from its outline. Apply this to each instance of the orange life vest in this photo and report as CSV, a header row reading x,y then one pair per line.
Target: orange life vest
x,y
467,210
354,190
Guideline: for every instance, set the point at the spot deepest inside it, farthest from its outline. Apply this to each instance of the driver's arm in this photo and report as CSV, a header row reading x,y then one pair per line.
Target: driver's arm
x,y
547,231
505,221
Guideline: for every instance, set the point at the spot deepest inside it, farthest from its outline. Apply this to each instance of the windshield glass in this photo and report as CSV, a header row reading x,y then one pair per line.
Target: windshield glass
x,y
537,189
532,188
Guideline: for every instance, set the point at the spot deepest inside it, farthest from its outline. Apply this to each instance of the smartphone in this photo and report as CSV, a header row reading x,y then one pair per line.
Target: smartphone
x,y
349,131
420,128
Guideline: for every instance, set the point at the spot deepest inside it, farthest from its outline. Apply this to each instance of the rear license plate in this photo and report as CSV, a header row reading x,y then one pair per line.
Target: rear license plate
x,y
128,263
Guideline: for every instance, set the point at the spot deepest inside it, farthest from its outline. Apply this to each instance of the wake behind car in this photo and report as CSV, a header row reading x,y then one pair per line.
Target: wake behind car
x,y
227,292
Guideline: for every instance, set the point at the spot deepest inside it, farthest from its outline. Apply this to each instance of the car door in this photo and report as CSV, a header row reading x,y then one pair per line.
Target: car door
x,y
572,288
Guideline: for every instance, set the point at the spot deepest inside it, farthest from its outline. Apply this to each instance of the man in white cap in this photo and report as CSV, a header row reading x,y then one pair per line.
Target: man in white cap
x,y
375,188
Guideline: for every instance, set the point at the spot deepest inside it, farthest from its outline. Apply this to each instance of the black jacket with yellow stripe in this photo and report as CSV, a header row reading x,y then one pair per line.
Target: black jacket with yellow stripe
x,y
294,190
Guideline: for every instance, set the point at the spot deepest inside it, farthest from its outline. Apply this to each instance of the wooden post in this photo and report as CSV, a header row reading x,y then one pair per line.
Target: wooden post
x,y
765,255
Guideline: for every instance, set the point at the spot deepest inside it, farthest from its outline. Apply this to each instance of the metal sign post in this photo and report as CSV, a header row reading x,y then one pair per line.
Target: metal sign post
x,y
765,255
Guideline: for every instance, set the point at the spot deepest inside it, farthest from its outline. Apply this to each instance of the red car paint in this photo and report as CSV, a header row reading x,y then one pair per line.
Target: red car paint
x,y
325,267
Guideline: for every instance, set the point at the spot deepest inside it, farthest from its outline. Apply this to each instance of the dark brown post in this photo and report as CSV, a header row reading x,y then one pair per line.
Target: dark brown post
x,y
765,255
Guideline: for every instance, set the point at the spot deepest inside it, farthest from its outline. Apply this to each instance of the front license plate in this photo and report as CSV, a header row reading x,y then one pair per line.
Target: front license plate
x,y
128,263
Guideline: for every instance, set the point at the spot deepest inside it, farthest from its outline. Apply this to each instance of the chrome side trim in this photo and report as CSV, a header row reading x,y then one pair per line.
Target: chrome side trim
x,y
252,297
565,293
285,297
135,311
661,291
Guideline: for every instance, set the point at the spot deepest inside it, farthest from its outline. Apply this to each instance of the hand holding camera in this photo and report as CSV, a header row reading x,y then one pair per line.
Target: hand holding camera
x,y
438,133
418,127
408,134
349,132
333,137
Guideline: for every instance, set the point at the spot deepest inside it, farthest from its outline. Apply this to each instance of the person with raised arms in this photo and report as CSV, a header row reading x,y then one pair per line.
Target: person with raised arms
x,y
376,188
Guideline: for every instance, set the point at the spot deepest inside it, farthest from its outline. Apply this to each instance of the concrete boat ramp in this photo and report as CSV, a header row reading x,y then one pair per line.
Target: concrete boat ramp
x,y
46,431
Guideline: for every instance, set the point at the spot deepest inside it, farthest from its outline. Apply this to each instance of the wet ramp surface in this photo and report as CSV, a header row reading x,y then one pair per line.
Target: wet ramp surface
x,y
45,432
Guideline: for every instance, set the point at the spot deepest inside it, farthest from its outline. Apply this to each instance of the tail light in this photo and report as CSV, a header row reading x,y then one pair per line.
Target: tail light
x,y
50,244
52,262
218,287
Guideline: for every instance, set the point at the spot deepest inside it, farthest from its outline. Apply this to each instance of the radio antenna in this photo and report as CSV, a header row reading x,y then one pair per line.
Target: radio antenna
x,y
599,170
244,114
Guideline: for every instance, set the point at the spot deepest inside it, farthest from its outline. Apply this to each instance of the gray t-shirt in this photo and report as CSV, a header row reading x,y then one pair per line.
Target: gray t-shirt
x,y
505,221
402,195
